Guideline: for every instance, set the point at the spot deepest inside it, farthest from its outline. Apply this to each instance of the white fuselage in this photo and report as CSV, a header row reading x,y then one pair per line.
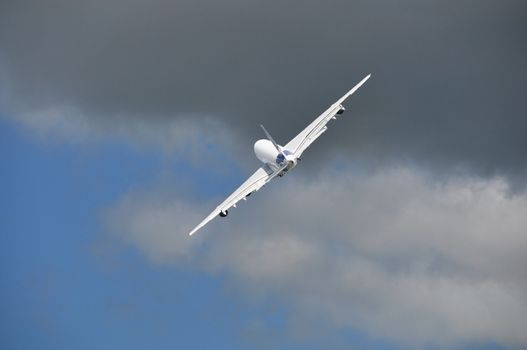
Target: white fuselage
x,y
268,154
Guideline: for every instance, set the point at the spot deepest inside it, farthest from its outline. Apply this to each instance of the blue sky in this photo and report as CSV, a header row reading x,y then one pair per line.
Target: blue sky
x,y
56,291
66,285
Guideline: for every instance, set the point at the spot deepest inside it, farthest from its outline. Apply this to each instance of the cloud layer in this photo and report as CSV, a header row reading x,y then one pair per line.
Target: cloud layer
x,y
394,254
447,88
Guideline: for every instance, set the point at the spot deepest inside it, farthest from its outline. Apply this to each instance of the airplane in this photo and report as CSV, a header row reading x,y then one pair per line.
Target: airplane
x,y
278,160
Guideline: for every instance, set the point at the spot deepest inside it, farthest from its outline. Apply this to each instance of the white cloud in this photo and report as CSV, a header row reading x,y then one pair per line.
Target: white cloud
x,y
69,124
395,253
191,137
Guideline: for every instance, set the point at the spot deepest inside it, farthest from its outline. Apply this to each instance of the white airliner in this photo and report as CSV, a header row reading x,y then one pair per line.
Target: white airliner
x,y
277,159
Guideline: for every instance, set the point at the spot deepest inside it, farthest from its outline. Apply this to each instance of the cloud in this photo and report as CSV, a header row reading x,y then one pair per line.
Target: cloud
x,y
447,87
395,253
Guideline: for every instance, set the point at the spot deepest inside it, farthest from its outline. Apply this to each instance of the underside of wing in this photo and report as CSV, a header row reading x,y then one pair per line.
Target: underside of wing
x,y
256,181
304,139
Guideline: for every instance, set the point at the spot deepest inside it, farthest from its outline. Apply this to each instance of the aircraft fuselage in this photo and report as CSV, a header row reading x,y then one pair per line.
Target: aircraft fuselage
x,y
268,154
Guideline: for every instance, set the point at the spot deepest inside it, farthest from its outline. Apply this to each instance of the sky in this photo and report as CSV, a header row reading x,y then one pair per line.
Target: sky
x,y
123,123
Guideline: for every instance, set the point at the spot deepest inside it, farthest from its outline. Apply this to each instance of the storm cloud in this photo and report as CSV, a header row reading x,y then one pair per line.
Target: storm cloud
x,y
447,88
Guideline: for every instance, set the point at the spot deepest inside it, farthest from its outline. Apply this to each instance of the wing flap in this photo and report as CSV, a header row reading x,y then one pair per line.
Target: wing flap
x,y
256,181
304,139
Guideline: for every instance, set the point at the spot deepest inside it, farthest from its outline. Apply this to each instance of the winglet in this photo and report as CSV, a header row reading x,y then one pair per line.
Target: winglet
x,y
194,230
355,88
204,222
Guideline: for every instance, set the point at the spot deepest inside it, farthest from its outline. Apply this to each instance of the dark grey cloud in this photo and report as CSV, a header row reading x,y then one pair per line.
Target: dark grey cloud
x,y
447,88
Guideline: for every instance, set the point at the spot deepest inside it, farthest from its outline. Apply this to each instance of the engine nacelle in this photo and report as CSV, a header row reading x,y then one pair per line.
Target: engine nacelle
x,y
224,213
266,152
341,110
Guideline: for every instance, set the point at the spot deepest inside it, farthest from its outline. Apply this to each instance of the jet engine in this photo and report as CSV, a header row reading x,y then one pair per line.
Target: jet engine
x,y
224,213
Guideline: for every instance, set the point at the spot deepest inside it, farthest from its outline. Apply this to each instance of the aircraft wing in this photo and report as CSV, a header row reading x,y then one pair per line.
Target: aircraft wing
x,y
257,180
303,140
